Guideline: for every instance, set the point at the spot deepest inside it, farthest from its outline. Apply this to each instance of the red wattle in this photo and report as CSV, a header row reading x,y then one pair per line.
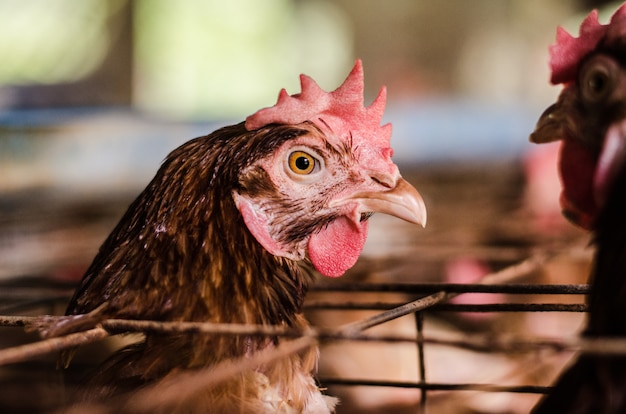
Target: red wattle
x,y
336,249
577,168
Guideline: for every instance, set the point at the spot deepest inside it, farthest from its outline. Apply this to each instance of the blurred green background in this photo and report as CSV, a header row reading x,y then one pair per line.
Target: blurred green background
x,y
215,59
94,93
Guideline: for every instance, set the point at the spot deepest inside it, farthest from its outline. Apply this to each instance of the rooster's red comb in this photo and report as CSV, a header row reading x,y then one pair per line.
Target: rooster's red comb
x,y
568,51
340,112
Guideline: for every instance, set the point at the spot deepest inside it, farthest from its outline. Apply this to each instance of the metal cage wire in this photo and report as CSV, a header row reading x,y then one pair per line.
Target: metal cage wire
x,y
426,299
357,310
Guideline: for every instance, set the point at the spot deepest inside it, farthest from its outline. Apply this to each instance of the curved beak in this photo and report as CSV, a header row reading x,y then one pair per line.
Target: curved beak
x,y
402,201
549,126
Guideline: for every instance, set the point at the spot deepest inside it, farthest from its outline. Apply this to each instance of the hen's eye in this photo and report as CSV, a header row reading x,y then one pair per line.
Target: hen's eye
x,y
301,162
597,78
597,82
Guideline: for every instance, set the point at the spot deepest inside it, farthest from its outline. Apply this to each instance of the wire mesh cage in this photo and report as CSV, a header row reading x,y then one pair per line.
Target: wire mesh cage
x,y
478,313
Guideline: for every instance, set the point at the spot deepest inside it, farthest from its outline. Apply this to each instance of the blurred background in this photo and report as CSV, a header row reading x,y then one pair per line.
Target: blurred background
x,y
95,93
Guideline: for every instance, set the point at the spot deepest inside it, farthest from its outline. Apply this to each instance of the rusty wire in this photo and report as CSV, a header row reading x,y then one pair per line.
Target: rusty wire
x,y
427,298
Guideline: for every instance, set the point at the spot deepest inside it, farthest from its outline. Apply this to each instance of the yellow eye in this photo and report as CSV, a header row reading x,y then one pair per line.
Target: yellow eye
x,y
301,162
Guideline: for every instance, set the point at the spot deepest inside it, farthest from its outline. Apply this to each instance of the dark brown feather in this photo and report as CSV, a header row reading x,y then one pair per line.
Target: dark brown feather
x,y
597,383
589,117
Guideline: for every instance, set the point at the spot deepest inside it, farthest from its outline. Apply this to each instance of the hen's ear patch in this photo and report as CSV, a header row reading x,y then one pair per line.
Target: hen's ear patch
x,y
258,224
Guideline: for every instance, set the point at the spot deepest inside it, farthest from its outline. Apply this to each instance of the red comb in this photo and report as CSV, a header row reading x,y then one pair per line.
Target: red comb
x,y
568,51
340,112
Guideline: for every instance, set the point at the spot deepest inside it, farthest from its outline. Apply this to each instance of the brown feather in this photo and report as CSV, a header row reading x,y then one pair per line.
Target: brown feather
x,y
182,253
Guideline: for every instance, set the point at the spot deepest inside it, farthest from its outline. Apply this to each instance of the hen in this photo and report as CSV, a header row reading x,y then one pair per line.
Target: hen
x,y
590,119
227,232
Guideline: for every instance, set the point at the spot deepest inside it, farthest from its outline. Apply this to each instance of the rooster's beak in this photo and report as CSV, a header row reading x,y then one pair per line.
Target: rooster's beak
x,y
402,201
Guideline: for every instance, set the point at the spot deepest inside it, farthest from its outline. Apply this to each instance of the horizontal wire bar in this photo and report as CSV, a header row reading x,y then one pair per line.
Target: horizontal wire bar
x,y
526,389
18,321
509,273
11,293
35,349
481,342
426,288
511,307
453,307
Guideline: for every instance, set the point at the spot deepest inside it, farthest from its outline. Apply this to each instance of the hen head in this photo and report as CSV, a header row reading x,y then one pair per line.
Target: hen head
x,y
589,115
310,199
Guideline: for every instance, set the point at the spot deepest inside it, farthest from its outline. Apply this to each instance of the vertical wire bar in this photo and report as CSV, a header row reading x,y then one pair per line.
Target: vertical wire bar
x,y
419,324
